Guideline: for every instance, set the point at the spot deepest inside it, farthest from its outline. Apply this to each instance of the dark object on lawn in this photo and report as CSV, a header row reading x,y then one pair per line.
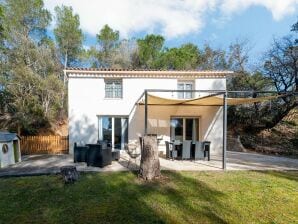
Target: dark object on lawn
x,y
80,153
206,147
99,155
115,155
69,174
150,166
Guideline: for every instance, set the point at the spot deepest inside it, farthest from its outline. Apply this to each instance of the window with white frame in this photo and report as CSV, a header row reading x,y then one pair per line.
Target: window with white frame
x,y
185,85
113,88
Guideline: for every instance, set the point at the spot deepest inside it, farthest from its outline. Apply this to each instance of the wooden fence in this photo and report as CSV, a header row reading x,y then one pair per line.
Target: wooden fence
x,y
51,144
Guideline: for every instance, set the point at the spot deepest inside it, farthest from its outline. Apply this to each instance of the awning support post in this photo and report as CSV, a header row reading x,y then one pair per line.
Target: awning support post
x,y
146,112
224,152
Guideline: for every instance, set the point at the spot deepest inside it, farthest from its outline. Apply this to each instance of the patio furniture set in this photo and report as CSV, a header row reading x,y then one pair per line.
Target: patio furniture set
x,y
98,155
187,149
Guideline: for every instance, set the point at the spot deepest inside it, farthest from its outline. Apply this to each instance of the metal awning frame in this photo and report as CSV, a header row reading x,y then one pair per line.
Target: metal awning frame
x,y
224,93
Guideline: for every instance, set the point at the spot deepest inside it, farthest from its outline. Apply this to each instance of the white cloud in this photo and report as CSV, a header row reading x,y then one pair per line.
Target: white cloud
x,y
171,18
278,8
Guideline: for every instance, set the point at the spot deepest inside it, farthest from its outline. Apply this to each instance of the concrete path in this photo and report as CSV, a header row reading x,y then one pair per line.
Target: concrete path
x,y
50,164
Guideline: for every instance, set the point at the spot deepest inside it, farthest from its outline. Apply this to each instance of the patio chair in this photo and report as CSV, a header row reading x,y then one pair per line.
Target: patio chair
x,y
206,147
168,150
199,150
80,153
186,149
99,155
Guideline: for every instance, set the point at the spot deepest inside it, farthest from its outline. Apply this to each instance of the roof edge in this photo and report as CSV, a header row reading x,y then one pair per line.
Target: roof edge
x,y
145,72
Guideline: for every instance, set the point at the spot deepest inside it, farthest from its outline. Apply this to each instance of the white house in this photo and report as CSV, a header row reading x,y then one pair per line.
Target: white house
x,y
109,104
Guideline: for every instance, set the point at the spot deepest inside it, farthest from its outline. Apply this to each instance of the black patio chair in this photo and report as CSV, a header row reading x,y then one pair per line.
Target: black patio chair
x,y
99,155
80,153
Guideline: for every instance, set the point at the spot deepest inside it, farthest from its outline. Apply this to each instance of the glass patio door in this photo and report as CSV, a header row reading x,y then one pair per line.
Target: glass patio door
x,y
184,129
113,130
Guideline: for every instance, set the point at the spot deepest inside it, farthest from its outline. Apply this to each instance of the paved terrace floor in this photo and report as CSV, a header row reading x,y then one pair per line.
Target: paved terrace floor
x,y
50,164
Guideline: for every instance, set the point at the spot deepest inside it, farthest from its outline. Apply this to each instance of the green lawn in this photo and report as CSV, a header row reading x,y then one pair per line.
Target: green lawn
x,y
179,197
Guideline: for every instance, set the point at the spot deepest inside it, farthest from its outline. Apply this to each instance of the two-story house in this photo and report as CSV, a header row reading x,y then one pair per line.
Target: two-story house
x,y
110,104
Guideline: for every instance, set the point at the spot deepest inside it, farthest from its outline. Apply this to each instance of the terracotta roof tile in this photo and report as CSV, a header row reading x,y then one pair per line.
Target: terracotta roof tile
x,y
146,72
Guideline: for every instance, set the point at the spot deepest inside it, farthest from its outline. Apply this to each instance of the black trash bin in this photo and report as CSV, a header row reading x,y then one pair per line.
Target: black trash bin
x,y
80,153
99,155
206,147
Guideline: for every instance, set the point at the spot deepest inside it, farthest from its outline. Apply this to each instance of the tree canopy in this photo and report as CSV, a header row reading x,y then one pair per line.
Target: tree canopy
x,y
32,85
149,50
68,35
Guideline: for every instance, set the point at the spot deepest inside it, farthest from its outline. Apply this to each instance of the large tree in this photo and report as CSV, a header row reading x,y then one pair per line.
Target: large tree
x,y
185,57
108,40
149,50
124,56
281,64
21,16
30,81
213,59
68,34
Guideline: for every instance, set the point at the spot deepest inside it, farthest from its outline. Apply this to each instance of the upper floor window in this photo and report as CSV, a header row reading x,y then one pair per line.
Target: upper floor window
x,y
185,85
113,88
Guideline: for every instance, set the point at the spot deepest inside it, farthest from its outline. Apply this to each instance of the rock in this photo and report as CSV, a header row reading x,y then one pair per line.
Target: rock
x,y
69,174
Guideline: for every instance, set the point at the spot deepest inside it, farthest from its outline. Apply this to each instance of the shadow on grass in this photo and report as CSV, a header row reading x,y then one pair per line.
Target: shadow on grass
x,y
111,198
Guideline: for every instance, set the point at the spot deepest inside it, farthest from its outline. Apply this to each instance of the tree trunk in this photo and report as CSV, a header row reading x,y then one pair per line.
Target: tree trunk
x,y
19,130
65,66
150,166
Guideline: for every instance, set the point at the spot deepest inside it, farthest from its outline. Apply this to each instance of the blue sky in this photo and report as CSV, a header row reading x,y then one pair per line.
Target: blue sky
x,y
217,22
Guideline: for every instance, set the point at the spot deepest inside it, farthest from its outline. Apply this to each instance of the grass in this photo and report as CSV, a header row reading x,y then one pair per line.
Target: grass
x,y
179,197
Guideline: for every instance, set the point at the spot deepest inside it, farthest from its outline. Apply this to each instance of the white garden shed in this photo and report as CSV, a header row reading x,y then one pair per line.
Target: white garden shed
x,y
10,151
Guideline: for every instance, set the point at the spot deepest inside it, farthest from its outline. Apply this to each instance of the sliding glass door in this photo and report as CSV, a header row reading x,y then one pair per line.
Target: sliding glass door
x,y
113,130
186,128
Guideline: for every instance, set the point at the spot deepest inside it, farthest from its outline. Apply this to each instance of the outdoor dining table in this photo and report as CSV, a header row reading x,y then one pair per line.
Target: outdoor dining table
x,y
179,147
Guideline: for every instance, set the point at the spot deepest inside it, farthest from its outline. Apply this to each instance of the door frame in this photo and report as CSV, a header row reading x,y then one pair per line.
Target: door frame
x,y
184,124
100,134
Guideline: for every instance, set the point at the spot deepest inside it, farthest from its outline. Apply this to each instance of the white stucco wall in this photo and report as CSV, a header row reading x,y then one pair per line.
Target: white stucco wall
x,y
86,101
7,158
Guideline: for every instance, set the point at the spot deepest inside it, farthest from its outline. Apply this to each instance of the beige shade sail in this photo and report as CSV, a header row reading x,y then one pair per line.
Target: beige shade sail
x,y
205,101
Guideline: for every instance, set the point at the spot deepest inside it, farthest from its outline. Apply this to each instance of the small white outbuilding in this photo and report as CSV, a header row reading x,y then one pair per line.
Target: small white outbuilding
x,y
10,151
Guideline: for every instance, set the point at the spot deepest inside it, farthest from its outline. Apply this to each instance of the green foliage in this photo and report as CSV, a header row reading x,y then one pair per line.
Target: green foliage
x,y
68,34
1,25
108,40
185,57
30,77
21,16
250,82
149,50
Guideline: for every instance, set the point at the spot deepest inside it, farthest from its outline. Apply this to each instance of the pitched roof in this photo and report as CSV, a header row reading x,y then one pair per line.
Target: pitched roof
x,y
144,72
8,136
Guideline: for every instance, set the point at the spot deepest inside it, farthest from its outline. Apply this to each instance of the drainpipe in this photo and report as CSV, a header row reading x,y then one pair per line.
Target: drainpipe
x,y
224,131
146,112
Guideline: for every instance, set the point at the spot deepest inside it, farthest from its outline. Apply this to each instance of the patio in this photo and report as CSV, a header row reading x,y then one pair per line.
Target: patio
x,y
50,164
